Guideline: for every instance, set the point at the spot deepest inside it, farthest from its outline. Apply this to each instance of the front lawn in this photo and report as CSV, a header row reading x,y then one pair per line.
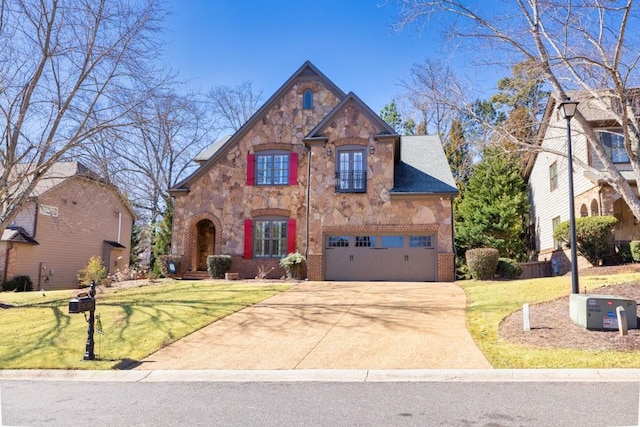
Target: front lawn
x,y
38,333
489,302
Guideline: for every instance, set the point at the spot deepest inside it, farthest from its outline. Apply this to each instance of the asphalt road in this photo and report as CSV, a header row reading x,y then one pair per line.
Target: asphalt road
x,y
435,403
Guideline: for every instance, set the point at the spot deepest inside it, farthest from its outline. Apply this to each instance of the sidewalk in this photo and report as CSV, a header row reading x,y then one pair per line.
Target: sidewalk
x,y
335,325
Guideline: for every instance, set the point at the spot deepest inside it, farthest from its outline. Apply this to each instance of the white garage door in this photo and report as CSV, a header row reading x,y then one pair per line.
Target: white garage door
x,y
380,257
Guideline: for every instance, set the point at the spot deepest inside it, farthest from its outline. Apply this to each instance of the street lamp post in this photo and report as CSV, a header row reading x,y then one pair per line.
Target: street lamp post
x,y
568,110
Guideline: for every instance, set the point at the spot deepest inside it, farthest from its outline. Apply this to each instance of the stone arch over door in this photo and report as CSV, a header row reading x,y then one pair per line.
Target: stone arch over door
x,y
204,238
595,211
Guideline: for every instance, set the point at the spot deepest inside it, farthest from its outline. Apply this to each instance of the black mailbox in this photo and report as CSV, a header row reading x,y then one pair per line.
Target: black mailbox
x,y
82,304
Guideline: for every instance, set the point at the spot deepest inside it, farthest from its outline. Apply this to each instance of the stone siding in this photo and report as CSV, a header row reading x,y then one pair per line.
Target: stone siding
x,y
222,195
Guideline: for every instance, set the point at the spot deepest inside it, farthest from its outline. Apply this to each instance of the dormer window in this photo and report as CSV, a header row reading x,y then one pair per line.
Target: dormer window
x,y
307,99
614,141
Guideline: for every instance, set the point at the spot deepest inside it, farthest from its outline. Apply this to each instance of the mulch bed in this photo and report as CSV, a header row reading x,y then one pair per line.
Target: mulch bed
x,y
552,327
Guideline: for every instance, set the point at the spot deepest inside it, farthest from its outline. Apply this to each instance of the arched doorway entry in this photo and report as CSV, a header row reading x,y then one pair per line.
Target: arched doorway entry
x,y
205,243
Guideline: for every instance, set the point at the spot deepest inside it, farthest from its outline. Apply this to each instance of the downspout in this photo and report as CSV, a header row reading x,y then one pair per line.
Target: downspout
x,y
453,240
306,250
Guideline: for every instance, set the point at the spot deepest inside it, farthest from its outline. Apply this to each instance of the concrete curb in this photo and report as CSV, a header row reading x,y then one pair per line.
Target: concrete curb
x,y
331,375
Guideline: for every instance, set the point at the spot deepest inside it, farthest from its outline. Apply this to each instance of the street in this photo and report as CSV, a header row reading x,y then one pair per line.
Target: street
x,y
105,403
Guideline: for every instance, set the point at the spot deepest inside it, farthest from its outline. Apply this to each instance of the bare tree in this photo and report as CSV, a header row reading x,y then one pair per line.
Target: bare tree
x,y
578,45
435,92
64,66
233,106
154,152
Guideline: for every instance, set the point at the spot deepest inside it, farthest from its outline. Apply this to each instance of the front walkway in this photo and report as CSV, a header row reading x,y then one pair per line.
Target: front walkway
x,y
336,325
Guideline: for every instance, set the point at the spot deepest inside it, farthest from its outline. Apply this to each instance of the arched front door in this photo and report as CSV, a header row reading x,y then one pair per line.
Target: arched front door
x,y
206,237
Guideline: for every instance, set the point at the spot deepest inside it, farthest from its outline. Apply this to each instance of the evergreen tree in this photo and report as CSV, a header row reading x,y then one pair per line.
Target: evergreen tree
x,y
457,151
494,209
162,235
393,118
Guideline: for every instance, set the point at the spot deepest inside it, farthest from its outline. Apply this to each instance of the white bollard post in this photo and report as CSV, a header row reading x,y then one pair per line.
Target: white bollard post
x,y
622,321
526,322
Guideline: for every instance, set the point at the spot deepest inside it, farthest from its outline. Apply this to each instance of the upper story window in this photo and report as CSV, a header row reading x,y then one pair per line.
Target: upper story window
x,y
307,99
51,211
553,176
614,141
272,169
351,175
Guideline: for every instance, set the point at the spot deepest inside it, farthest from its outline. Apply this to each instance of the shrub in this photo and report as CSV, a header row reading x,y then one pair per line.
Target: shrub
x,y
293,263
94,270
635,250
462,269
594,236
217,265
482,263
18,284
508,269
164,262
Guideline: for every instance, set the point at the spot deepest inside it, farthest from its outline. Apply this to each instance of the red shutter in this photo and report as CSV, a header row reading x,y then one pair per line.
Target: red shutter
x,y
293,168
248,238
291,236
251,162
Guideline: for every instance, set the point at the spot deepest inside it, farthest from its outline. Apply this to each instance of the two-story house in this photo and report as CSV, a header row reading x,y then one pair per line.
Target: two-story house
x,y
548,178
316,171
71,216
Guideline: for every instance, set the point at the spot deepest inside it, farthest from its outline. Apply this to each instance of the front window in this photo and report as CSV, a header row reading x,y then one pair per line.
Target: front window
x,y
270,238
272,169
614,141
553,176
351,175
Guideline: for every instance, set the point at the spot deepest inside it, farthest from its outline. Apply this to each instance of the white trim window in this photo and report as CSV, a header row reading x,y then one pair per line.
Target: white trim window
x,y
51,211
613,140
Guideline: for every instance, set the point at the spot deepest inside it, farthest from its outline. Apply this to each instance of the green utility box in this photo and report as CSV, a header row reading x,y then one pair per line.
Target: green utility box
x,y
598,312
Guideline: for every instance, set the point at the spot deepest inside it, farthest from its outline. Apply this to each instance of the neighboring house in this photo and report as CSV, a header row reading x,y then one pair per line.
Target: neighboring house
x,y
71,216
318,172
548,179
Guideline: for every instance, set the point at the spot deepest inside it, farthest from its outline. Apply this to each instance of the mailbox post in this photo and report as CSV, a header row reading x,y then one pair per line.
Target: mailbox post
x,y
89,354
82,303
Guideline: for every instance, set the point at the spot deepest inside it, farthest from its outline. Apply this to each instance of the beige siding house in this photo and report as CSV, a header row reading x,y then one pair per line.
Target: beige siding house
x,y
548,179
72,216
316,171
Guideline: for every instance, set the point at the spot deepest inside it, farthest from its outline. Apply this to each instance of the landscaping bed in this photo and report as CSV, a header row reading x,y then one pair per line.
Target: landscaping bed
x,y
551,326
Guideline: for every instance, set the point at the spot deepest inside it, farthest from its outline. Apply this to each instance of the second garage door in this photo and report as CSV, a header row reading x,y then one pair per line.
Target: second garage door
x,y
380,257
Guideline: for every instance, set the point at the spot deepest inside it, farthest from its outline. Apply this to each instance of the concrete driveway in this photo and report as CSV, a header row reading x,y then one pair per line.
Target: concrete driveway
x,y
336,325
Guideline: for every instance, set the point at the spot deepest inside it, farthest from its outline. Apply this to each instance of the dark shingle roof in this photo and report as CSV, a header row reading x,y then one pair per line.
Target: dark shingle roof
x,y
423,167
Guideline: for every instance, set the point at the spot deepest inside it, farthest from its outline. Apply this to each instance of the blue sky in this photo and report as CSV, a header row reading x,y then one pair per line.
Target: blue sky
x,y
226,42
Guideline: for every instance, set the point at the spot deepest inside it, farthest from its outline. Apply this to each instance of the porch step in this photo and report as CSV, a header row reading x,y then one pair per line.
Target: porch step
x,y
195,275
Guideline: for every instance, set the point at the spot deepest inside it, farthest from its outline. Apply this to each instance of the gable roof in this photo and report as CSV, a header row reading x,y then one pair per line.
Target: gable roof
x,y
59,172
352,98
307,69
423,167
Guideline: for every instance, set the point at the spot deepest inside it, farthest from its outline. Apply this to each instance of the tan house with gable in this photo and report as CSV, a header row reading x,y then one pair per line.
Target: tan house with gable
x,y
316,171
71,216
548,179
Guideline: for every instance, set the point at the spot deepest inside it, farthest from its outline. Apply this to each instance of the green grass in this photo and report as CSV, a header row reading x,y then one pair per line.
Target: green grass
x,y
489,302
40,334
